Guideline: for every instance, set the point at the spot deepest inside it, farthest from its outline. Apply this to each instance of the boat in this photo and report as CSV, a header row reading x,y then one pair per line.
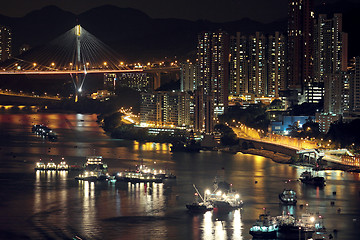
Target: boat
x,y
94,170
305,226
40,166
199,206
307,178
223,197
288,196
95,163
142,173
50,166
44,131
185,147
62,166
321,235
265,227
135,177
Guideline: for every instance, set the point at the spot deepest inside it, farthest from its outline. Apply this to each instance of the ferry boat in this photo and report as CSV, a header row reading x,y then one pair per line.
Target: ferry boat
x,y
94,169
96,175
307,178
265,227
199,206
135,177
40,166
288,196
142,173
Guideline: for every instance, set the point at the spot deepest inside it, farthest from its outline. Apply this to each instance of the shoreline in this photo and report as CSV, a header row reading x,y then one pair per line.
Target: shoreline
x,y
276,157
286,159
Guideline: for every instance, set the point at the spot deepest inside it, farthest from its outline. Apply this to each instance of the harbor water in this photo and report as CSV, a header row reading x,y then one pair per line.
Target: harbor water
x,y
53,205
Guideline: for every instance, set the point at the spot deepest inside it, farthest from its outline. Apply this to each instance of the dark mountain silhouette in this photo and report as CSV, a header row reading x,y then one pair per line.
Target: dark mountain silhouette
x,y
135,36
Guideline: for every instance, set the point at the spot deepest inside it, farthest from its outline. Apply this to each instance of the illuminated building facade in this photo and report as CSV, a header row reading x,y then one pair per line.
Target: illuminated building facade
x,y
166,109
300,43
238,65
188,76
330,51
276,64
5,43
325,120
213,74
110,81
257,64
137,81
336,97
355,88
213,61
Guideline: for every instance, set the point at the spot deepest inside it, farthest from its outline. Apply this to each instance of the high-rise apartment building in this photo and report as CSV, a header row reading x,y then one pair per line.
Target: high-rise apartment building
x,y
5,43
238,79
213,75
110,81
300,43
330,63
276,64
336,97
166,109
138,81
188,78
355,88
330,47
257,65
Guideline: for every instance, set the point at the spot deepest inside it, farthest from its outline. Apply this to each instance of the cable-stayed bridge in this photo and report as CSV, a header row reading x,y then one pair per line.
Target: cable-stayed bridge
x,y
76,52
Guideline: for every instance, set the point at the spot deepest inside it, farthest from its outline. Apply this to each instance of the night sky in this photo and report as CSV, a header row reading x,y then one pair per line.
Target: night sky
x,y
213,10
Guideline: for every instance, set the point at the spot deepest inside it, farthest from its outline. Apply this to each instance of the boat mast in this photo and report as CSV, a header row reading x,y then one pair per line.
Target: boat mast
x,y
198,193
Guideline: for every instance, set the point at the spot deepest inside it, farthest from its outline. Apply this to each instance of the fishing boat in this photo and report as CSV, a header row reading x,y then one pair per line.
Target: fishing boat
x,y
265,227
199,206
288,196
223,197
307,178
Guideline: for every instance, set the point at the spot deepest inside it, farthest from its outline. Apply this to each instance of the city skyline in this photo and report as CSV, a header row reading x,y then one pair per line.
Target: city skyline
x,y
230,10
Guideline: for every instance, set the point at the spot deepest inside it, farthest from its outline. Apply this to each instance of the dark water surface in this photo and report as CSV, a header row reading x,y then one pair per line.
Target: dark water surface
x,y
52,205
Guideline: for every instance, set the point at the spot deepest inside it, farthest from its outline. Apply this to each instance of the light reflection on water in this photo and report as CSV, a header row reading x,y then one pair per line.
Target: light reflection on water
x,y
61,206
224,226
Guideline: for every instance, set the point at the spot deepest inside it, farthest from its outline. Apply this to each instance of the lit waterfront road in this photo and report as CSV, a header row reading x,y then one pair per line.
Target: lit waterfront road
x,y
52,205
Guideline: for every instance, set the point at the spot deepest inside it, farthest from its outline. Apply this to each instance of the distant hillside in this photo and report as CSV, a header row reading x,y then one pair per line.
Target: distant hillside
x,y
136,36
132,33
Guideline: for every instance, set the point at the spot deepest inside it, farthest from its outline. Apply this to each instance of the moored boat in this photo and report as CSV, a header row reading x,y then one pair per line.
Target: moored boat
x,y
62,166
307,178
305,226
199,206
223,197
51,166
265,227
288,196
40,166
94,170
